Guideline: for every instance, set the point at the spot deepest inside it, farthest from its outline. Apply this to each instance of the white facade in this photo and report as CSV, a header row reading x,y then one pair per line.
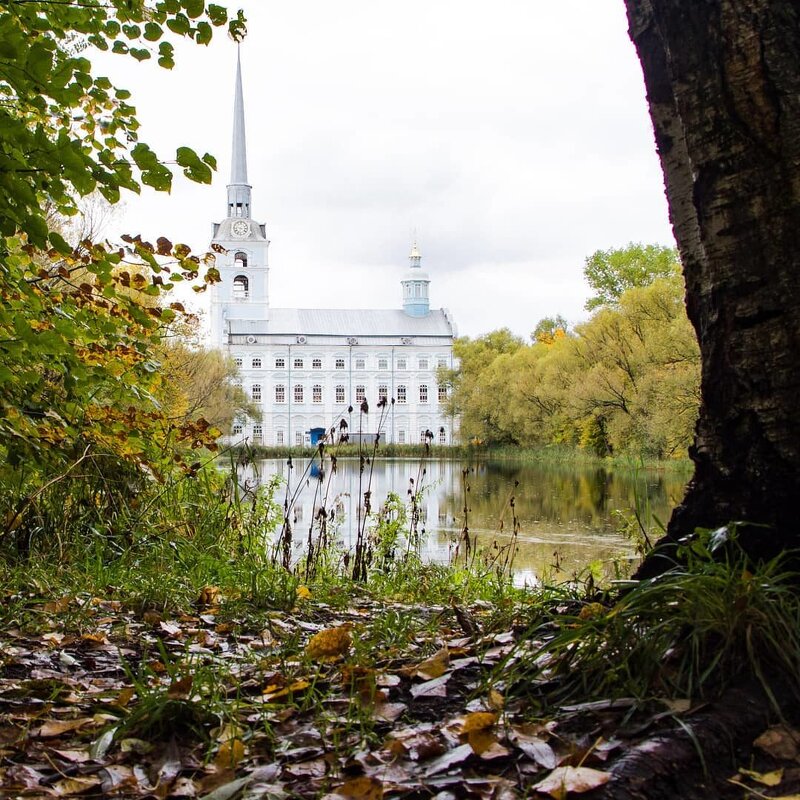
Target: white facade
x,y
311,370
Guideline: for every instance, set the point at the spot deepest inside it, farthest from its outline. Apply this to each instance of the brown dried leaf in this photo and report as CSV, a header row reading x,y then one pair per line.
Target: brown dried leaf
x,y
209,596
779,741
181,689
362,788
435,666
183,787
58,727
57,606
535,748
563,780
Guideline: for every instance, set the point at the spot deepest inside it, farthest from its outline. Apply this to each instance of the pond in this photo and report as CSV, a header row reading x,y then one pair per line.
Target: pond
x,y
567,516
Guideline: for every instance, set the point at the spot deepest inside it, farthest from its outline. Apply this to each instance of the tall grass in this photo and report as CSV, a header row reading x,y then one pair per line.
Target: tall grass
x,y
685,634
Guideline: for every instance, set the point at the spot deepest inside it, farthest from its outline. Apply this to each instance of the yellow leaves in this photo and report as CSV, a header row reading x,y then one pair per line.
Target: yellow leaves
x,y
592,611
363,788
58,727
764,778
477,729
209,596
565,780
303,593
276,691
330,643
230,753
478,721
495,700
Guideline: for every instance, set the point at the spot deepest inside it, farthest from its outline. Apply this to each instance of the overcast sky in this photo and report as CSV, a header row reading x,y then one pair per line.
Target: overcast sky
x,y
513,137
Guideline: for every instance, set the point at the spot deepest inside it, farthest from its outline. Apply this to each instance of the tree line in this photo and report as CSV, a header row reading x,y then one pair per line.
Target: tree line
x,y
625,382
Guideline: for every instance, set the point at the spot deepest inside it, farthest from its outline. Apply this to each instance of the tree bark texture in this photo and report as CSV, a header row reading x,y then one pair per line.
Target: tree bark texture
x,y
723,85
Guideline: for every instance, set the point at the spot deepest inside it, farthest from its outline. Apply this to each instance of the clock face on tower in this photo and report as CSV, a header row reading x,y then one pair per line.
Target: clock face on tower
x,y
240,228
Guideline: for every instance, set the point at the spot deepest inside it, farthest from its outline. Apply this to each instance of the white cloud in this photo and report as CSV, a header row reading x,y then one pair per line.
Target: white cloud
x,y
514,138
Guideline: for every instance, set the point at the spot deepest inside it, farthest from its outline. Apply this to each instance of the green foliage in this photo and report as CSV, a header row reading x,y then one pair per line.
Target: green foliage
x,y
82,432
612,272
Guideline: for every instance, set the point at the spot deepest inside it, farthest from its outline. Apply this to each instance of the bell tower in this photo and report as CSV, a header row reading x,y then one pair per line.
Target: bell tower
x,y
239,243
416,302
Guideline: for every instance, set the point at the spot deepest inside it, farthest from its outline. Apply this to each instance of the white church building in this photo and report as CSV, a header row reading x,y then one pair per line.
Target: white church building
x,y
311,371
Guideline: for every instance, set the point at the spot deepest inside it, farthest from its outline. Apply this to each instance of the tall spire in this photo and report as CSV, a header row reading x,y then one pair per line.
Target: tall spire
x,y
238,188
415,257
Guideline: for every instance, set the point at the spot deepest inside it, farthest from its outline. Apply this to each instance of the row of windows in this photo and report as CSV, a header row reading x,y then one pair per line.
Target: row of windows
x,y
339,363
280,435
298,393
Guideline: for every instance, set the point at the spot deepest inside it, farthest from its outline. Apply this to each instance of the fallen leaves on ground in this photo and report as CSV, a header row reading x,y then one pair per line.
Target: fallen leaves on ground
x,y
307,703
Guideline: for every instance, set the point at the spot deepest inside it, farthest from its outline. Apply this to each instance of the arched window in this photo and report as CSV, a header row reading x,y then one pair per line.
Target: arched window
x,y
240,260
241,287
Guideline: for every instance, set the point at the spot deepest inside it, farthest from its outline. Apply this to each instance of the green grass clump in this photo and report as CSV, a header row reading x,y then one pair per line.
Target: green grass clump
x,y
686,634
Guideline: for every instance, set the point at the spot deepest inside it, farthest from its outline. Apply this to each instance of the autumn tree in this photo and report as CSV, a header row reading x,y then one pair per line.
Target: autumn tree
x,y
548,329
77,369
723,86
479,405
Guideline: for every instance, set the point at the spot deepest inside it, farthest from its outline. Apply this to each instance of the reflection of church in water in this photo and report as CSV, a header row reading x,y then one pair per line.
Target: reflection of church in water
x,y
310,370
439,512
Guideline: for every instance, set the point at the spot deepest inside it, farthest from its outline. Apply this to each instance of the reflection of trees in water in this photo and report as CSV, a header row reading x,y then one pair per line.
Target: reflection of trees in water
x,y
560,494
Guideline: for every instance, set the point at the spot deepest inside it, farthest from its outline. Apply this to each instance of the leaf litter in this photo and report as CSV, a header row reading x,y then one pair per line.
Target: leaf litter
x,y
295,704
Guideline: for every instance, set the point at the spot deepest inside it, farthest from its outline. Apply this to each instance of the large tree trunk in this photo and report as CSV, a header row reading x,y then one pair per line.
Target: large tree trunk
x,y
723,84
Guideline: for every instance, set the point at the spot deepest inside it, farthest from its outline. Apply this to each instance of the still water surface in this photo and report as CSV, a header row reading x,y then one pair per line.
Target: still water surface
x,y
567,516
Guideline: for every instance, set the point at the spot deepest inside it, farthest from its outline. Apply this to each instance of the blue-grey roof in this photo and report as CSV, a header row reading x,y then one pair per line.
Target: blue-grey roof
x,y
346,322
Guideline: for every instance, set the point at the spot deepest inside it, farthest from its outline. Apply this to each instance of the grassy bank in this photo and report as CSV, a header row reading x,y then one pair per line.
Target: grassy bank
x,y
190,662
